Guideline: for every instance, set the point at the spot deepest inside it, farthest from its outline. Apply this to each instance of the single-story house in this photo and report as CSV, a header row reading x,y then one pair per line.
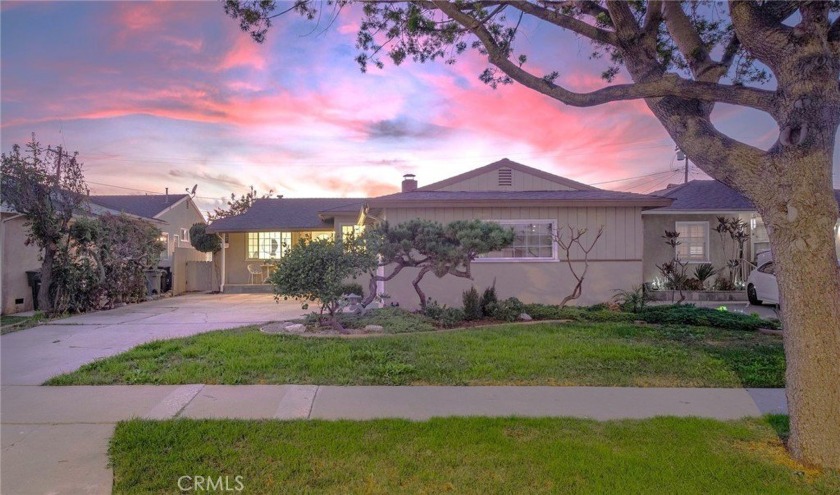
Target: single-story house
x,y
175,214
532,202
694,212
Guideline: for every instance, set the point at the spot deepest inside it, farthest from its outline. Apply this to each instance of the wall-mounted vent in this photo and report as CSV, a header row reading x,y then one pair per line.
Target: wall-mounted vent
x,y
505,177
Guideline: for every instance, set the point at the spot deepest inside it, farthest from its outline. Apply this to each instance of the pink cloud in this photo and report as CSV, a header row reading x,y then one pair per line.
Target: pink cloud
x,y
244,53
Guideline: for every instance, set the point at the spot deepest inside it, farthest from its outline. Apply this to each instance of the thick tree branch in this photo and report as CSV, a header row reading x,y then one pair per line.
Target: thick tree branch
x,y
685,35
668,85
566,22
653,17
623,20
760,30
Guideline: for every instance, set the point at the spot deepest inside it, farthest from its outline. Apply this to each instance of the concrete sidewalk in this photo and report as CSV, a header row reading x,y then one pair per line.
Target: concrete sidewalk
x,y
55,439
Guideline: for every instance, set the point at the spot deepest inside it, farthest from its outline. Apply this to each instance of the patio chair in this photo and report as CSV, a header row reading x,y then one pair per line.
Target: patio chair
x,y
255,273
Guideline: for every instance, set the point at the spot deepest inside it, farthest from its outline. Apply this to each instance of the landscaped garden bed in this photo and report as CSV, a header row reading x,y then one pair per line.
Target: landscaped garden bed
x,y
596,353
465,455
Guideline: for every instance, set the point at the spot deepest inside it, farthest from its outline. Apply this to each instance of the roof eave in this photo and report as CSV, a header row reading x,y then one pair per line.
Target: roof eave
x,y
405,203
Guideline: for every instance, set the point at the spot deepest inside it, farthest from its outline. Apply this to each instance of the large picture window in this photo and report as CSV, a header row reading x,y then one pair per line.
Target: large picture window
x,y
694,241
268,245
533,241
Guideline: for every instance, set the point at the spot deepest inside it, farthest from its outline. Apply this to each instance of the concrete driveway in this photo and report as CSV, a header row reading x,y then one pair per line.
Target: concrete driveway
x,y
29,357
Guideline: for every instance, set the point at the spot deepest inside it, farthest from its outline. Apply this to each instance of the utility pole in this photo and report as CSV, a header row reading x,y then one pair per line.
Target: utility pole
x,y
683,156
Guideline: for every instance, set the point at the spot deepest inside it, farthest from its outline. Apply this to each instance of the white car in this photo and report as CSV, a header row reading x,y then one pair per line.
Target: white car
x,y
762,287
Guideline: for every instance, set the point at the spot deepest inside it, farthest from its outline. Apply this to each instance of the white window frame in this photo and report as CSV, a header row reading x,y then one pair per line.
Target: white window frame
x,y
503,223
281,249
705,247
185,235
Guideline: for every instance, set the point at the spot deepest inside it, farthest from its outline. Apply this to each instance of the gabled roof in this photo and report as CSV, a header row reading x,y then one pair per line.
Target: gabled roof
x,y
707,196
595,197
285,213
506,163
150,205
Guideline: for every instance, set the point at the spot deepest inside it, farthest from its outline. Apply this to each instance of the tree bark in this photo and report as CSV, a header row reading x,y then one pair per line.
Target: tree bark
x,y
44,301
800,221
416,284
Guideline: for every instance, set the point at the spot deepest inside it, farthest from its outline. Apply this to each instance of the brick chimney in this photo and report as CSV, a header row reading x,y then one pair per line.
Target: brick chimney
x,y
409,183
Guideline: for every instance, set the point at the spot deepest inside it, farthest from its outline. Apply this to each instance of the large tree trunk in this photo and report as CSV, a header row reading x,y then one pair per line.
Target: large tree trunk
x,y
44,301
800,212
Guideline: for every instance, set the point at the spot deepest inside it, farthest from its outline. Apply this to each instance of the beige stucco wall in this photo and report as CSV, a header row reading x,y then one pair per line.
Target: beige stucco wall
x,y
657,252
17,258
615,262
546,283
622,238
489,181
182,215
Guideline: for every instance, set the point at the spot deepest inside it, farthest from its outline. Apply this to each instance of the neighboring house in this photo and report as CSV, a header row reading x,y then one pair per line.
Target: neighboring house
x,y
532,202
16,257
177,212
270,227
694,213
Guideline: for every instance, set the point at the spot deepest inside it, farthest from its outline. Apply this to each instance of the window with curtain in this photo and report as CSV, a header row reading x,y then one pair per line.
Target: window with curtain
x,y
533,241
694,241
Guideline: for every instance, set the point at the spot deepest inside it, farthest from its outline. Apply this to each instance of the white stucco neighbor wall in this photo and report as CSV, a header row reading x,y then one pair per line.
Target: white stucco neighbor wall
x,y
17,258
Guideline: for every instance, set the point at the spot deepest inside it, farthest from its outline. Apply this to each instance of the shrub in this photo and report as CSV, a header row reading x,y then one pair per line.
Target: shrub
x,y
692,315
693,284
451,317
443,316
488,298
703,272
352,288
472,305
316,271
723,283
507,310
202,241
392,320
632,300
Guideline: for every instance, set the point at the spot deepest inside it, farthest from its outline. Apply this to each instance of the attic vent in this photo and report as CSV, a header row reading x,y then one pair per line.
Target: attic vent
x,y
505,177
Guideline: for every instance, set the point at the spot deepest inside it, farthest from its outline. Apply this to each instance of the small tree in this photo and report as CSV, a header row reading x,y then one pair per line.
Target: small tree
x,y
317,270
433,248
674,270
47,186
237,206
202,241
567,246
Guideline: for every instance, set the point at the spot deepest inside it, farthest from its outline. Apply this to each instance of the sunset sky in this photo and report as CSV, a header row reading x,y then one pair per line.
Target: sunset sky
x,y
156,95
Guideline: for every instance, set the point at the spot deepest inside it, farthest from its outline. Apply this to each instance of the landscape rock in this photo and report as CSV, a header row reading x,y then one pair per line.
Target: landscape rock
x,y
296,328
525,317
373,328
283,327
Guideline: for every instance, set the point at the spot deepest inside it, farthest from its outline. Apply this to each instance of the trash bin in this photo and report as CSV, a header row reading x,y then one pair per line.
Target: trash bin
x,y
153,278
33,278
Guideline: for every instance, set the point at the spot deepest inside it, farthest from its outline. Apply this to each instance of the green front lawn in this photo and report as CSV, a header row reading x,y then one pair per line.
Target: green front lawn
x,y
582,353
465,455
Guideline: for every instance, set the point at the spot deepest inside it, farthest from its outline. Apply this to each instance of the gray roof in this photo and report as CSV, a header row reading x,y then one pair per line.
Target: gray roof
x,y
500,197
284,213
708,195
144,206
